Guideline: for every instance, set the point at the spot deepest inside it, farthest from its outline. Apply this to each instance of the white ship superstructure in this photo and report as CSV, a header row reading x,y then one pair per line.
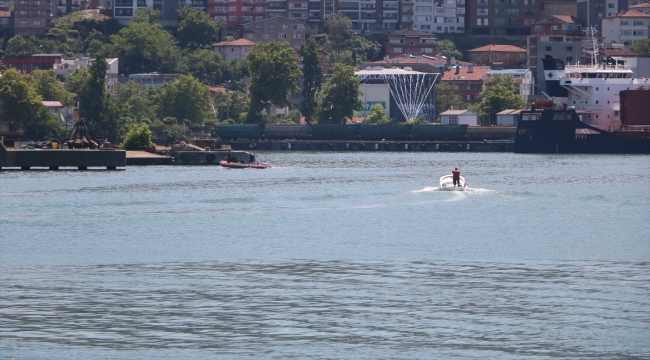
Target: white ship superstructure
x,y
593,90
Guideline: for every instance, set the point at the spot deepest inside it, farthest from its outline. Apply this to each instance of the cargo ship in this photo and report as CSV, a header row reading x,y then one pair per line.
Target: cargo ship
x,y
596,108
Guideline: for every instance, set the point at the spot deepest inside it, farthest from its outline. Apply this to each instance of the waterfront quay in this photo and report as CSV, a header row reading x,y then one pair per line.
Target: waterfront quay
x,y
356,145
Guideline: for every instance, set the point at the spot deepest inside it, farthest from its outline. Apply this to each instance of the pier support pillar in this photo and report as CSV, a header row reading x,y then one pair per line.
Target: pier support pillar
x,y
24,168
83,167
54,168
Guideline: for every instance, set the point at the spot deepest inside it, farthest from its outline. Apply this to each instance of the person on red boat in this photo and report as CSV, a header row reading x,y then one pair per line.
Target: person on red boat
x,y
456,176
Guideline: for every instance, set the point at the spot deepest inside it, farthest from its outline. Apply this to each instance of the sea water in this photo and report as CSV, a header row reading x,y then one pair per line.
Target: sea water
x,y
328,256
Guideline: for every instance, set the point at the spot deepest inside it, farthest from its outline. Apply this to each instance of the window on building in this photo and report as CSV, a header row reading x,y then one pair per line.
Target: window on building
x,y
554,27
610,5
569,48
285,27
36,23
549,48
272,26
297,36
398,50
232,18
233,49
22,23
552,7
538,27
569,7
508,55
267,36
282,36
569,58
232,8
495,55
250,36
453,120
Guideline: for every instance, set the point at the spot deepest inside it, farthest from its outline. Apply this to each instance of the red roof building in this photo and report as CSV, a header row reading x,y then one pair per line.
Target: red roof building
x,y
466,81
505,56
235,49
557,25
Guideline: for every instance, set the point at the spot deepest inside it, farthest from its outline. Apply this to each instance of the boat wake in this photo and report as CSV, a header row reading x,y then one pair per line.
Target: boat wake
x,y
432,189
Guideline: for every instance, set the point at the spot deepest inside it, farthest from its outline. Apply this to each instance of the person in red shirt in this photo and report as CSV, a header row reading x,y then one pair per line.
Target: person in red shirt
x,y
456,176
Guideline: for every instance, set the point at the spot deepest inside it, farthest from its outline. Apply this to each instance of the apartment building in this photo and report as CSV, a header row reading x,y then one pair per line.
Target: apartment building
x,y
644,8
238,12
626,28
7,20
500,17
278,29
546,8
558,36
235,49
32,17
439,16
409,42
466,82
498,56
594,11
123,10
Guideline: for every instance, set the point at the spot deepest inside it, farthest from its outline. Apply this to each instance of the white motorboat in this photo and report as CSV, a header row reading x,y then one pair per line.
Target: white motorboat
x,y
447,184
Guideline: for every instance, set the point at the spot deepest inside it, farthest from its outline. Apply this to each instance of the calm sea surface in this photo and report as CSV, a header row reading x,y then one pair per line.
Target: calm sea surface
x,y
330,256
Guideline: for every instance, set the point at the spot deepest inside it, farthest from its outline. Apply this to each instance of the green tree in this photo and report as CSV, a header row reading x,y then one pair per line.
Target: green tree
x,y
138,138
230,105
93,92
366,49
186,99
234,74
196,30
23,107
205,65
378,115
274,75
500,93
641,47
339,96
312,78
18,46
51,89
447,48
446,99
142,46
338,25
76,81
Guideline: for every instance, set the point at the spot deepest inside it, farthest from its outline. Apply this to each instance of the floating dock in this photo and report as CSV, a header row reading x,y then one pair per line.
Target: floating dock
x,y
55,159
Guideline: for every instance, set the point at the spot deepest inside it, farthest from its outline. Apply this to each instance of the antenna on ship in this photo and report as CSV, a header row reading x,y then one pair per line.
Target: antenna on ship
x,y
590,46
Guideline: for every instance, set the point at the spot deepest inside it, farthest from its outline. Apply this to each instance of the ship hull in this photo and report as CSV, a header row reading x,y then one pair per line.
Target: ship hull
x,y
561,131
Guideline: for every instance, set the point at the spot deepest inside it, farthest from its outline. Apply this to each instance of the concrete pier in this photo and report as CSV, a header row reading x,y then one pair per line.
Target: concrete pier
x,y
338,145
55,159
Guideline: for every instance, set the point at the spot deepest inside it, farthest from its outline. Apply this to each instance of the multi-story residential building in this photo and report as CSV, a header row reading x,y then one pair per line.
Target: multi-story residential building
x,y
64,7
235,49
500,17
523,79
319,9
292,9
594,11
422,63
238,12
558,36
546,8
123,10
498,56
67,66
7,20
439,16
644,8
406,14
409,42
466,81
626,28
279,29
32,17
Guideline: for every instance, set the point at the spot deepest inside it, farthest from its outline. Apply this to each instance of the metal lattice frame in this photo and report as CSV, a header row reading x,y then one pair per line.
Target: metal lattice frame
x,y
411,92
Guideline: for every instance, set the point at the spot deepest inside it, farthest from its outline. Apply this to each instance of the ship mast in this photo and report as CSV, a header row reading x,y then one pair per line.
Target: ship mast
x,y
590,46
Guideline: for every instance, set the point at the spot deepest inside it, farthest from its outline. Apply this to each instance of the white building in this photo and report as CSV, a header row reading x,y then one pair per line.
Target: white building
x,y
523,78
626,28
459,117
439,16
508,117
68,65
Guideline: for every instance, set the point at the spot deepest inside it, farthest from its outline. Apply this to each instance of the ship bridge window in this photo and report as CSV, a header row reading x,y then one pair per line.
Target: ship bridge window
x,y
562,116
591,75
